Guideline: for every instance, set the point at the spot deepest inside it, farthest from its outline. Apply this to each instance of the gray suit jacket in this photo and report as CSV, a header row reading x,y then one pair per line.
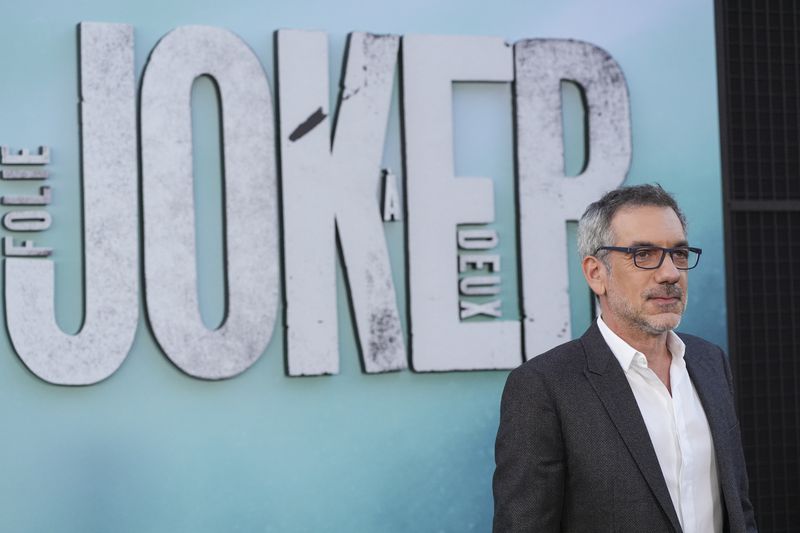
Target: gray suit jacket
x,y
573,453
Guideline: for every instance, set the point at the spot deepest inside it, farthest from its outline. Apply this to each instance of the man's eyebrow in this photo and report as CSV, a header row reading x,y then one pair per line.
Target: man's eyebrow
x,y
680,244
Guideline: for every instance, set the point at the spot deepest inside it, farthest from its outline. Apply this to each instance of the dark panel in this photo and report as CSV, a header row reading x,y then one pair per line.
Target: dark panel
x,y
761,54
764,322
758,48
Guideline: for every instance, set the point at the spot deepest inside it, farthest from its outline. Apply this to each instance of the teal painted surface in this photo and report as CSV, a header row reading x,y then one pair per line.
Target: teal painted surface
x,y
153,450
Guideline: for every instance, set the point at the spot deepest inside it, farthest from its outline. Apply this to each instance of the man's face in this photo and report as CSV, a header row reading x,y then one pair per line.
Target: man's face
x,y
638,300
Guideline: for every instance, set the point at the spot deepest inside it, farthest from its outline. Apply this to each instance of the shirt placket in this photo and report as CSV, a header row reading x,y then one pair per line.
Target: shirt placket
x,y
687,487
667,404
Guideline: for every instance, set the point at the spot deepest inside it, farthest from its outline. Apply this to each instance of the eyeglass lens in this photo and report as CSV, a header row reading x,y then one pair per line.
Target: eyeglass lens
x,y
651,257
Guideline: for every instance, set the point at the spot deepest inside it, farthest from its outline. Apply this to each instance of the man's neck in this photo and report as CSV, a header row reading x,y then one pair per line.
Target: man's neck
x,y
653,346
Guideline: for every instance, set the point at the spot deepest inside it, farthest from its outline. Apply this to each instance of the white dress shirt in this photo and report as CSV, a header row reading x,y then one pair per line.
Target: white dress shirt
x,y
679,431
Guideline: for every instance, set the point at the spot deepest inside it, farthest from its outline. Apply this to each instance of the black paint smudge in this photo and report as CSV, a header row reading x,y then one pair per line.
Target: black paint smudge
x,y
310,123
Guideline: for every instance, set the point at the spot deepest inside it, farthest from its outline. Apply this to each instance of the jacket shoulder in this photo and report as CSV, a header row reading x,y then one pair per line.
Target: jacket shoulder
x,y
562,358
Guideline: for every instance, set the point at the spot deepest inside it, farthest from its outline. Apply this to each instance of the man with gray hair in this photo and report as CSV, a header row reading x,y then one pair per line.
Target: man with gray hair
x,y
630,428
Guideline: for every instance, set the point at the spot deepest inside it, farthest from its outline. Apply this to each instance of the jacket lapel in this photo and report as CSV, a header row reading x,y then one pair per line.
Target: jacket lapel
x,y
611,385
711,386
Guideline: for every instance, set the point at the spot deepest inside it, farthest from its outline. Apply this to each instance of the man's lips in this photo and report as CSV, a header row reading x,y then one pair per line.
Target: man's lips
x,y
664,299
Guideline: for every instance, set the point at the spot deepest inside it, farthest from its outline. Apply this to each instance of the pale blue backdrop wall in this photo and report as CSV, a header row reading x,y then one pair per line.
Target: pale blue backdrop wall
x,y
153,450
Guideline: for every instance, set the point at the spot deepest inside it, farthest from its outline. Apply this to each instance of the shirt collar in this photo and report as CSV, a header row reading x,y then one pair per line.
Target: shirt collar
x,y
626,354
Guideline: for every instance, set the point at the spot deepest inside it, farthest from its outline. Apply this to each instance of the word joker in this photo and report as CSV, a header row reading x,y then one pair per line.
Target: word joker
x,y
327,189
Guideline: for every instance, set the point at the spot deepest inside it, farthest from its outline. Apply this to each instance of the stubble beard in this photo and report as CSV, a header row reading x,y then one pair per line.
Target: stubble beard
x,y
649,324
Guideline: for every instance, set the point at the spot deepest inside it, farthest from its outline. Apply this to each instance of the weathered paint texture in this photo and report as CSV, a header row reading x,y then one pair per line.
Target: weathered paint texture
x,y
25,248
23,156
330,184
12,174
438,202
44,197
27,220
251,262
548,199
110,215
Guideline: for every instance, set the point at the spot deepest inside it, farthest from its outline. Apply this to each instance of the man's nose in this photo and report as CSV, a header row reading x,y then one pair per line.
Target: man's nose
x,y
667,272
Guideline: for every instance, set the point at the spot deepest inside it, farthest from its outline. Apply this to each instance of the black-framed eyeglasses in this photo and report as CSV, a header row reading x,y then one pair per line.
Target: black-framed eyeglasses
x,y
651,257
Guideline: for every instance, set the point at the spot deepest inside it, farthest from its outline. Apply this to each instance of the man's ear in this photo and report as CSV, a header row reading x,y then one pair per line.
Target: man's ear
x,y
595,273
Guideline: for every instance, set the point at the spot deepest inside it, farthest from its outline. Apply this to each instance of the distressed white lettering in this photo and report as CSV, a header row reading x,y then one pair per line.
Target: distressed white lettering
x,y
438,202
326,180
110,220
251,262
548,199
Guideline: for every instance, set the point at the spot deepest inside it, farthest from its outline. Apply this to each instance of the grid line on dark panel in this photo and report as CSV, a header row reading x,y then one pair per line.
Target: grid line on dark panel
x,y
768,236
786,365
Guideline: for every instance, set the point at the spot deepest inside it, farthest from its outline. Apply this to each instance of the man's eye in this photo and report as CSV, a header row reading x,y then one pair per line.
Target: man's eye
x,y
681,254
644,253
